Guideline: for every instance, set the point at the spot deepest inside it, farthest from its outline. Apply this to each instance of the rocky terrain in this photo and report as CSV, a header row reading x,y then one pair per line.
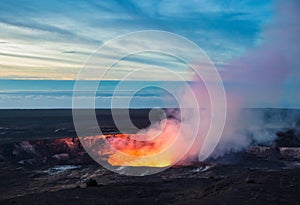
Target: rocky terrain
x,y
56,170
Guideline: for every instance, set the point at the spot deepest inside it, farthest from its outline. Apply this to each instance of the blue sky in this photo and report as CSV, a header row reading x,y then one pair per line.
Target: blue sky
x,y
51,39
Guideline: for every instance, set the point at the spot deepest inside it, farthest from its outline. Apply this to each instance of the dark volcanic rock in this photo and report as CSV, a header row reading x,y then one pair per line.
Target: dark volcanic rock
x,y
49,151
288,138
274,187
250,180
91,182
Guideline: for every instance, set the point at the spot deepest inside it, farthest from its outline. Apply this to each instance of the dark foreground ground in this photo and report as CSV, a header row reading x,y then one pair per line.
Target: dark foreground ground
x,y
59,172
247,187
56,170
256,182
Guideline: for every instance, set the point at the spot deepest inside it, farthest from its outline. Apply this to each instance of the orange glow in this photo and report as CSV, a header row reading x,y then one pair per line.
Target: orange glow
x,y
154,148
129,146
132,148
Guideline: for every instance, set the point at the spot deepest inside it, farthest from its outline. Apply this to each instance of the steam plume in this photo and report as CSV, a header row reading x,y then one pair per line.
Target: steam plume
x,y
258,78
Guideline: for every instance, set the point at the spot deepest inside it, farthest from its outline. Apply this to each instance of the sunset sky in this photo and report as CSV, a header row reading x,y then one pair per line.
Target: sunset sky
x,y
51,39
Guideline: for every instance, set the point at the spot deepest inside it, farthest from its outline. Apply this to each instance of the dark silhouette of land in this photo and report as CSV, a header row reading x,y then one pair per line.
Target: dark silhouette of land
x,y
43,162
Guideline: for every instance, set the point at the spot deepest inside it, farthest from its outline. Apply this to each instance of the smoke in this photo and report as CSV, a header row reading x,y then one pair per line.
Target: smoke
x,y
259,75
259,79
255,79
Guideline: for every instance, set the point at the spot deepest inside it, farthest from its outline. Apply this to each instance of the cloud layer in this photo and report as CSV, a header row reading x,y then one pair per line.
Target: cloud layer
x,y
51,39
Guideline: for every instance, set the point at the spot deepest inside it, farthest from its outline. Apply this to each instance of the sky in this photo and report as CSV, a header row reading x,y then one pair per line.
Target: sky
x,y
51,40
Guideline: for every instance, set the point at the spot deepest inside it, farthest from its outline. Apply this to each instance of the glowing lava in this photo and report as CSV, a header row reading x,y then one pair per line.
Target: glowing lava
x,y
152,148
132,152
145,149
